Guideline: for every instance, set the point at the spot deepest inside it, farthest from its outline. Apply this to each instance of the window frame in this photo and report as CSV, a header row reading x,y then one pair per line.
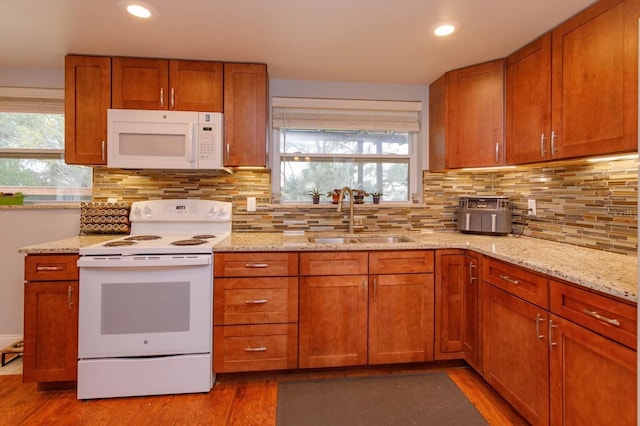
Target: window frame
x,y
344,104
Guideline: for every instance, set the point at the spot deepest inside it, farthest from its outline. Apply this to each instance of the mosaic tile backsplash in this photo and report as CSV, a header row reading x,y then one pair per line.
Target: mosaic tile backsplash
x,y
587,204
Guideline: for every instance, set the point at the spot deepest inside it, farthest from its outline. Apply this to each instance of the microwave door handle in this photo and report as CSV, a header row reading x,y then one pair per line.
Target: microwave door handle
x,y
192,153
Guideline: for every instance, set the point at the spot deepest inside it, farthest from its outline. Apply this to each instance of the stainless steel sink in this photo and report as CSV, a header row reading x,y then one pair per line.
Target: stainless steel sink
x,y
363,240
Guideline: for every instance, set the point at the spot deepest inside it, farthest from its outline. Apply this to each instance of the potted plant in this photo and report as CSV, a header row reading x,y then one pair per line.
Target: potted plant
x,y
334,195
358,195
315,193
376,196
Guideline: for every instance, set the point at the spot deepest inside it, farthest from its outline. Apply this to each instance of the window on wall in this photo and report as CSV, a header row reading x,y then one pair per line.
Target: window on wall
x,y
32,148
327,144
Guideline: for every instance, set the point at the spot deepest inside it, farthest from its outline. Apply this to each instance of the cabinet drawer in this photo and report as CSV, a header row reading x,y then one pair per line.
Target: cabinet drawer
x,y
255,347
51,267
400,262
609,317
255,264
255,300
334,263
520,282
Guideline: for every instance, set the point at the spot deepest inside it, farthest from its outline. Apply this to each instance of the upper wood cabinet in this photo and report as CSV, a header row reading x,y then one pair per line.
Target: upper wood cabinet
x,y
140,83
245,114
87,96
466,117
574,92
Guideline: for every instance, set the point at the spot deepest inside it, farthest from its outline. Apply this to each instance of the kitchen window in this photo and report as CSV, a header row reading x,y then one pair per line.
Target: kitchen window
x,y
32,148
327,143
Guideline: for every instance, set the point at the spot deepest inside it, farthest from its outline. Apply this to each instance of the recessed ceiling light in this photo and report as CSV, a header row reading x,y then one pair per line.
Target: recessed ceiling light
x,y
443,29
138,9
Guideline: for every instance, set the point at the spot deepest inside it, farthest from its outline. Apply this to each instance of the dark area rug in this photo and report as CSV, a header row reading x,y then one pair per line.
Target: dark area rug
x,y
416,399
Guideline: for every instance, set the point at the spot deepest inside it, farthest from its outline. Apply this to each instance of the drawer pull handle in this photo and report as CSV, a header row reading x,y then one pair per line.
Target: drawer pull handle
x,y
539,319
258,349
508,279
49,268
255,302
597,316
69,297
256,265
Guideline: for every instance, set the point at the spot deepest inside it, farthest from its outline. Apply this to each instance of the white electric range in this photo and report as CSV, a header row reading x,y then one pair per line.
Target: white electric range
x,y
146,302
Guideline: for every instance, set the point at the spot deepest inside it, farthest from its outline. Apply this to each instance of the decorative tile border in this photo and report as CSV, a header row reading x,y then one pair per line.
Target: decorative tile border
x,y
586,204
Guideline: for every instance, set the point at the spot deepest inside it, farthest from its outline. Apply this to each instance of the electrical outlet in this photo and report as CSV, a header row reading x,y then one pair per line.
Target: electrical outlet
x,y
251,204
531,204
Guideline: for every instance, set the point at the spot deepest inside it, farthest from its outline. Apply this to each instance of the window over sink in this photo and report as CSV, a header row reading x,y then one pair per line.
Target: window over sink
x,y
32,148
328,143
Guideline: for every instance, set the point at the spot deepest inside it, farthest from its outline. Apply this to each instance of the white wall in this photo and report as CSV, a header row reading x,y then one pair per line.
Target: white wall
x,y
19,228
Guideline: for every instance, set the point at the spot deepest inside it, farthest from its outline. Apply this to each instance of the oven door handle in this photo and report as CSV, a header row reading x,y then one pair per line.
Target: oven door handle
x,y
143,261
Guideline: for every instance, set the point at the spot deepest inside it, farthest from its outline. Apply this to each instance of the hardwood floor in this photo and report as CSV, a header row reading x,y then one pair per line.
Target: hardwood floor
x,y
237,399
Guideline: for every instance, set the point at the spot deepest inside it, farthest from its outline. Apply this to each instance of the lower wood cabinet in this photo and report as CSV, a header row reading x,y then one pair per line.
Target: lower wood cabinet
x,y
50,318
255,312
457,310
359,308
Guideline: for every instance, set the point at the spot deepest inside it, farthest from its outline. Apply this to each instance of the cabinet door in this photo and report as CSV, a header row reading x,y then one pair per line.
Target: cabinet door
x,y
50,331
333,321
528,95
195,86
400,318
139,83
595,80
515,352
245,114
475,110
87,96
457,313
593,379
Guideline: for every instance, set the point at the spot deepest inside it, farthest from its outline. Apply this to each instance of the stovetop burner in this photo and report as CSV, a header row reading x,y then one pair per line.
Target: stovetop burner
x,y
203,237
121,243
191,242
143,237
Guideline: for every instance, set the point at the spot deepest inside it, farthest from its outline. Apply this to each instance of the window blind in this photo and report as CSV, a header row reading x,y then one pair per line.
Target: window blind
x,y
22,99
341,114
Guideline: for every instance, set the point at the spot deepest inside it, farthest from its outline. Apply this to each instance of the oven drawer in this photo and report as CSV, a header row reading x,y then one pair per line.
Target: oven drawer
x,y
255,300
255,264
255,347
520,282
604,315
47,267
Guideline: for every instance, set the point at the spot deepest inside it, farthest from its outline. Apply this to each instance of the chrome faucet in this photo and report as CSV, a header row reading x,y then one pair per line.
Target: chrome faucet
x,y
351,208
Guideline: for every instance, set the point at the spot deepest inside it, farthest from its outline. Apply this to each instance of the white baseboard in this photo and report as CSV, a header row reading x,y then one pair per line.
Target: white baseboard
x,y
7,339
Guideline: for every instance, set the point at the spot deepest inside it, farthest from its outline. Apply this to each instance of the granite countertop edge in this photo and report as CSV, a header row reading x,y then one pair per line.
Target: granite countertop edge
x,y
609,273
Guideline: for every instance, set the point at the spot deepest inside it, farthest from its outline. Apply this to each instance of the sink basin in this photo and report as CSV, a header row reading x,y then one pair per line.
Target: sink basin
x,y
363,240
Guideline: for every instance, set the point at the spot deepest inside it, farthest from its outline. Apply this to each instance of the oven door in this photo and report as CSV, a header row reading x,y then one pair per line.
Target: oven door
x,y
145,305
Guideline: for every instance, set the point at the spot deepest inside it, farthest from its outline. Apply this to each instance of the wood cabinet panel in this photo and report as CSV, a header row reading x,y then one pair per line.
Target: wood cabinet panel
x,y
87,96
333,321
278,264
195,86
255,301
473,104
400,318
50,331
245,114
62,267
595,80
593,379
528,103
401,262
614,319
140,83
515,352
334,263
521,282
255,347
457,310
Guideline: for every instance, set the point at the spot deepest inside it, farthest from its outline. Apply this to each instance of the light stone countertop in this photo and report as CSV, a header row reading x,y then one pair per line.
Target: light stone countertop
x,y
610,273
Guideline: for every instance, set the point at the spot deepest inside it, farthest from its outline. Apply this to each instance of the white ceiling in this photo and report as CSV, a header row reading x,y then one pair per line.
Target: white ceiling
x,y
379,41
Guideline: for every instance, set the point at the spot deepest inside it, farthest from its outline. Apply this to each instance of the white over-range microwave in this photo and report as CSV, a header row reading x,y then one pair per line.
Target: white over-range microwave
x,y
149,139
